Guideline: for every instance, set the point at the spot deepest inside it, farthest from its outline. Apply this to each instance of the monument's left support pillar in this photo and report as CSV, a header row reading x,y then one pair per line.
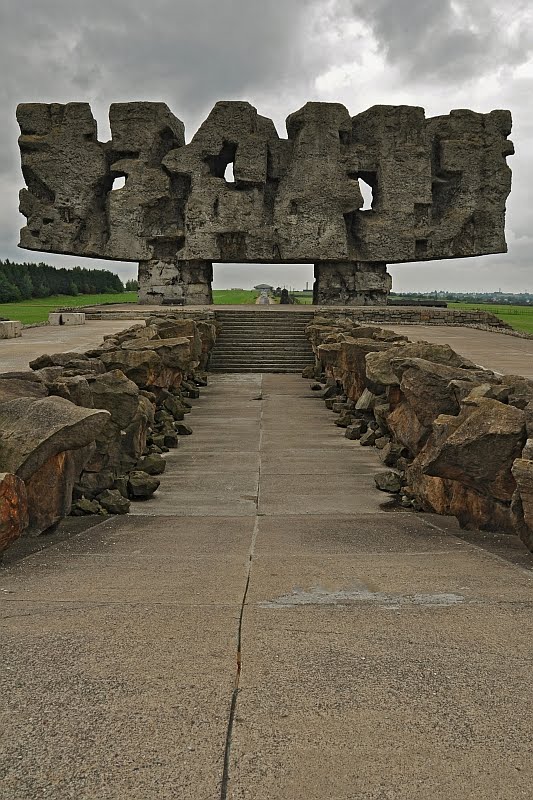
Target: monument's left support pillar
x,y
188,282
351,283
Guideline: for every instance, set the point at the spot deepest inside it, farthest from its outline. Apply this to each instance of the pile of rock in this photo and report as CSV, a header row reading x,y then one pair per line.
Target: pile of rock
x,y
84,433
457,438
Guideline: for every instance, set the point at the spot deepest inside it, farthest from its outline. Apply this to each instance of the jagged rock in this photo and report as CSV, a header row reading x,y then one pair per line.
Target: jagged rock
x,y
12,388
182,429
175,407
190,390
379,370
390,454
113,502
388,482
366,401
316,387
121,485
170,439
368,439
338,407
381,442
47,442
75,389
345,361
308,372
406,428
152,464
115,393
174,353
520,390
143,367
56,360
330,392
356,429
345,419
477,448
32,431
13,509
84,507
93,483
522,503
141,486
426,387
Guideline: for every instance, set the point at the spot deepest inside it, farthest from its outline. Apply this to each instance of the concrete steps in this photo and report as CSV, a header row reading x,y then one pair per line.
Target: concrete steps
x,y
262,341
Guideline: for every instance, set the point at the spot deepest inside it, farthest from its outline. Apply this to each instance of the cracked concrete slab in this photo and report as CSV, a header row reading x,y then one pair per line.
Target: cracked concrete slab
x,y
314,645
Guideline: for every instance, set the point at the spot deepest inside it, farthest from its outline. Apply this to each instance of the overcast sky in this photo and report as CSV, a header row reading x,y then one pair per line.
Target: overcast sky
x,y
278,54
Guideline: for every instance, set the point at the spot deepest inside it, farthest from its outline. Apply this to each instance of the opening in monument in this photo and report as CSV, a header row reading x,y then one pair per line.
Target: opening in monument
x,y
250,283
119,182
221,165
368,195
229,177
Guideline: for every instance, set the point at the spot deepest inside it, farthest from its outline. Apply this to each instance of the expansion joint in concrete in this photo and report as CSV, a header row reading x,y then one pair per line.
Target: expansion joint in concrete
x,y
224,784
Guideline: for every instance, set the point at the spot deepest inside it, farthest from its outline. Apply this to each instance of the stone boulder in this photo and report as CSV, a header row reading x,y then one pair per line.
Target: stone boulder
x,y
13,388
56,360
380,373
13,509
141,485
114,392
478,447
465,467
46,442
522,504
143,367
174,353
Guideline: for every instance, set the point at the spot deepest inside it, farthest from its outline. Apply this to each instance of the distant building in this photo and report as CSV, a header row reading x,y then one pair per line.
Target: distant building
x,y
264,287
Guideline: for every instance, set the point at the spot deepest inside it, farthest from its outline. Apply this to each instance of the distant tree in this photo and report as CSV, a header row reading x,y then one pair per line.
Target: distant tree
x,y
22,281
132,285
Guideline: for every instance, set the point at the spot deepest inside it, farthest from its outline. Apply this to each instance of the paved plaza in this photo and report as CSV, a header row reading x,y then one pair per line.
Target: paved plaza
x,y
266,627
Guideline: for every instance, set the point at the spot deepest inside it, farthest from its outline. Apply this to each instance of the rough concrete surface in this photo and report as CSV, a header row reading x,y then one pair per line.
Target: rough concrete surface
x,y
385,655
439,190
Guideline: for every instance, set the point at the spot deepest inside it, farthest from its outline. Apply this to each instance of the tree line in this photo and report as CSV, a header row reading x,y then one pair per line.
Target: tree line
x,y
24,281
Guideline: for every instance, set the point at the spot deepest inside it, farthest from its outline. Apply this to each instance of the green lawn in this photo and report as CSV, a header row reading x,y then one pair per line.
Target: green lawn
x,y
518,317
234,297
38,308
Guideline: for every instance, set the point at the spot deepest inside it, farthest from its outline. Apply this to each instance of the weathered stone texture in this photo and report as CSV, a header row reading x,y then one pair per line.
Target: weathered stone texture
x,y
439,191
13,509
455,434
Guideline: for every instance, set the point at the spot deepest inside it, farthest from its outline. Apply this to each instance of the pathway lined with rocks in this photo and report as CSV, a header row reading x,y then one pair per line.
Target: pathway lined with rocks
x,y
265,628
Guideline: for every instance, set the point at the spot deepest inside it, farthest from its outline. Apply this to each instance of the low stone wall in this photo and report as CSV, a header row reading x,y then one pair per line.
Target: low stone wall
x,y
141,312
457,439
424,315
84,433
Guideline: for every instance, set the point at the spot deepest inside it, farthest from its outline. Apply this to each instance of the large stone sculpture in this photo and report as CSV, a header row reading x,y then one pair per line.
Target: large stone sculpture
x,y
439,190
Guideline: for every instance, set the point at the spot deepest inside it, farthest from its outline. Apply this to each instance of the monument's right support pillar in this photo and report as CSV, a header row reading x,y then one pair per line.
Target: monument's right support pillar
x,y
173,281
351,283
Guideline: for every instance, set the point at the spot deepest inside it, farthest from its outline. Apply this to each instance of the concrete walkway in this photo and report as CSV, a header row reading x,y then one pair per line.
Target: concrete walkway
x,y
383,656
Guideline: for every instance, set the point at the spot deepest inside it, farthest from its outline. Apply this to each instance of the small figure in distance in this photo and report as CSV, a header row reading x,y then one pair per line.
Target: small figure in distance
x,y
284,299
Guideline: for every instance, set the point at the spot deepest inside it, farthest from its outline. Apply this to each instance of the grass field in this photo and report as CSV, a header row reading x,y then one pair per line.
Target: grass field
x,y
234,297
518,317
37,309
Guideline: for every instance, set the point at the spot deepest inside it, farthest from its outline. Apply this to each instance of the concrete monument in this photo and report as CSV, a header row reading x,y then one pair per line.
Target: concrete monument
x,y
439,189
